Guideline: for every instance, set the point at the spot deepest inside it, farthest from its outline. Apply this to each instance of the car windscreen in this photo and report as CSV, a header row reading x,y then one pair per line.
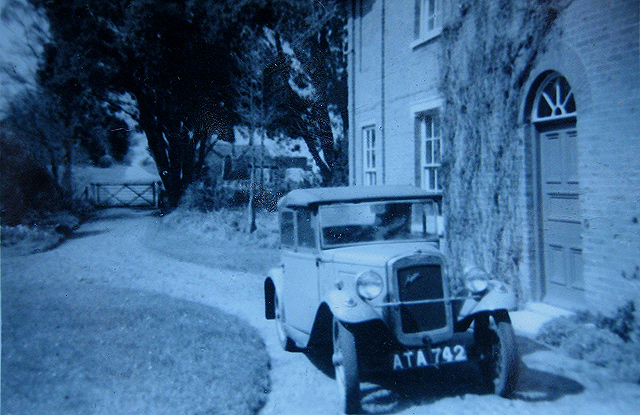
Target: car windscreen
x,y
365,222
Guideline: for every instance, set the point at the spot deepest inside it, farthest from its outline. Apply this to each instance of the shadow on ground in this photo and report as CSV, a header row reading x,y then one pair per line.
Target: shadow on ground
x,y
397,393
122,213
84,234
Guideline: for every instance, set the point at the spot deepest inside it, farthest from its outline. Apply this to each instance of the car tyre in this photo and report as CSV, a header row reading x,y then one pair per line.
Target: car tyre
x,y
285,341
499,360
345,363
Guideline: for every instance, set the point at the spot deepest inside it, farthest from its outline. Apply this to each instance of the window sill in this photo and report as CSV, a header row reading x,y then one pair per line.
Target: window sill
x,y
425,38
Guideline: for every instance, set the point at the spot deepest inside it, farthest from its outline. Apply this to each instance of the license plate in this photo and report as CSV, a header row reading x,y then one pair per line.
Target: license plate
x,y
423,357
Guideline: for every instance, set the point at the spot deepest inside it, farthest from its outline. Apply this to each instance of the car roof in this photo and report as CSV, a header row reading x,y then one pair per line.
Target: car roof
x,y
325,195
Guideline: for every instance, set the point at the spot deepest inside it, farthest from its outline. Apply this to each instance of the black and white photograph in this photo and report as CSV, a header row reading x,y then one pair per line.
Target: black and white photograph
x,y
288,207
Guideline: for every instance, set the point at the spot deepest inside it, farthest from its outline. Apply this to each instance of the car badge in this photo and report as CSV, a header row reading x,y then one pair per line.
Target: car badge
x,y
411,278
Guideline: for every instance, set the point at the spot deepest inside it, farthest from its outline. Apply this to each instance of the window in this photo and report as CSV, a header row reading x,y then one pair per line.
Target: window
x,y
306,234
555,100
286,229
428,135
370,156
385,220
428,21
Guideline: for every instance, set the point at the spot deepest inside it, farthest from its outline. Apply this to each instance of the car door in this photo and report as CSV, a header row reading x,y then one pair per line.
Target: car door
x,y
301,274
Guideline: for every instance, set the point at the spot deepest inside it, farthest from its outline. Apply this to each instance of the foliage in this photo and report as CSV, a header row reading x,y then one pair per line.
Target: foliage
x,y
622,324
176,60
217,238
609,342
27,189
171,57
225,225
209,198
35,117
489,49
305,81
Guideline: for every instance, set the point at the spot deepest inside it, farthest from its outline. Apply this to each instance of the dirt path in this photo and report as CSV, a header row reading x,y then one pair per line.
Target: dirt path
x,y
115,251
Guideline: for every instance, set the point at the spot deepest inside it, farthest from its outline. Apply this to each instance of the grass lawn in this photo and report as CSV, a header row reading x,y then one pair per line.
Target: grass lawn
x,y
217,239
92,349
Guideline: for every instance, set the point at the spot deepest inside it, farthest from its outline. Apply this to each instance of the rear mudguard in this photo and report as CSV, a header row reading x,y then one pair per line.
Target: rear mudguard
x,y
498,297
350,308
272,285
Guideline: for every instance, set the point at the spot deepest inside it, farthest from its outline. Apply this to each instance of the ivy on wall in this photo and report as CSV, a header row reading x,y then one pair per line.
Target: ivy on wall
x,y
489,50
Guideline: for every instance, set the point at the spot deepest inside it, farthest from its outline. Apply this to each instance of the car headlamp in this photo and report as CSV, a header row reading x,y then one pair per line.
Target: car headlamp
x,y
476,280
369,285
476,286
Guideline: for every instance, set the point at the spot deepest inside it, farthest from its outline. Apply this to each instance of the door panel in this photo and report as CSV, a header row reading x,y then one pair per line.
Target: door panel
x,y
561,218
300,289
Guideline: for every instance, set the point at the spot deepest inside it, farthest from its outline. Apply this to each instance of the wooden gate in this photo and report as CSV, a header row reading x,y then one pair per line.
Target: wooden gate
x,y
138,195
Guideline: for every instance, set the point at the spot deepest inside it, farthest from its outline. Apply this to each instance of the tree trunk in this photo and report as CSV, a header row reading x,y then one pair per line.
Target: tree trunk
x,y
67,182
54,166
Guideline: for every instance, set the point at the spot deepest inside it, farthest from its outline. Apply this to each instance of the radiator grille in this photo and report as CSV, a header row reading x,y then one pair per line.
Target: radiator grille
x,y
421,282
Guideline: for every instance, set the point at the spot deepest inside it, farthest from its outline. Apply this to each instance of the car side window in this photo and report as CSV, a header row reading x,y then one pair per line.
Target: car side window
x,y
286,229
433,219
306,234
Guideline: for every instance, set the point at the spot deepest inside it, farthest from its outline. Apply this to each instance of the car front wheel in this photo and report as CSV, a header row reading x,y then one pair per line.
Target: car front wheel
x,y
345,363
499,358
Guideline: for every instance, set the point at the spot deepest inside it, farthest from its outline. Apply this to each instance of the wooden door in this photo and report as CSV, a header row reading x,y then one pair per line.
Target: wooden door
x,y
561,218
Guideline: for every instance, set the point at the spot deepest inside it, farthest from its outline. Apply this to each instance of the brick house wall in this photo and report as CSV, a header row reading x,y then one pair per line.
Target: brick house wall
x,y
394,73
387,99
597,50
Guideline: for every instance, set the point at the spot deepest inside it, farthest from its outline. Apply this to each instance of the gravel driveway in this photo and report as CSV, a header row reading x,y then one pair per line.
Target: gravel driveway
x,y
117,250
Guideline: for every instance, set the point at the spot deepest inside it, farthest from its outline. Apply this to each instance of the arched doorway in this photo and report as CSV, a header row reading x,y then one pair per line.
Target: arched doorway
x,y
554,115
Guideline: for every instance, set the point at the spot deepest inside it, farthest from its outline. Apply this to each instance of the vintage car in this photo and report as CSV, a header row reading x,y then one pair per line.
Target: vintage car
x,y
362,271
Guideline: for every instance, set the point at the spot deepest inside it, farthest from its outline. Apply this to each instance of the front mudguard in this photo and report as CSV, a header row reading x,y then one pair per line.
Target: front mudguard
x,y
349,308
498,297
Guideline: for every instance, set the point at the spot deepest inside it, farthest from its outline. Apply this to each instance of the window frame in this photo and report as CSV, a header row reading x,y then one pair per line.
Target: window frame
x,y
429,150
294,238
554,100
370,156
292,234
422,32
301,231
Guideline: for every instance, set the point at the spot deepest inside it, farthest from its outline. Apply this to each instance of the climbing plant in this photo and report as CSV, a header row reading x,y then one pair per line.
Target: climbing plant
x,y
489,50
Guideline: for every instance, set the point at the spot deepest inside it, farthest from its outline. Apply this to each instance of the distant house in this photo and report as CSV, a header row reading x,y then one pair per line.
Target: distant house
x,y
232,165
579,128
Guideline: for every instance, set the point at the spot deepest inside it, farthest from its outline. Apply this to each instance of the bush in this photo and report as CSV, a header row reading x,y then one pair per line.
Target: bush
x,y
26,188
207,198
11,235
623,323
220,239
558,330
226,225
612,343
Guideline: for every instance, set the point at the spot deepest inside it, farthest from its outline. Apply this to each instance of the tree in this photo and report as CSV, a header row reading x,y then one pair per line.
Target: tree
x,y
35,117
489,50
172,57
252,53
305,83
